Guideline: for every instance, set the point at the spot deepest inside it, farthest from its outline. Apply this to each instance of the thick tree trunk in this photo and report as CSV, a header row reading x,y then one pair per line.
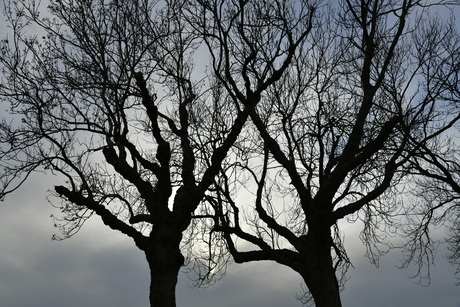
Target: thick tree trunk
x,y
323,286
165,261
319,273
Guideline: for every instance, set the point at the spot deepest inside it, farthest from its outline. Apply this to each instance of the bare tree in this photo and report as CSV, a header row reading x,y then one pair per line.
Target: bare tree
x,y
369,108
113,97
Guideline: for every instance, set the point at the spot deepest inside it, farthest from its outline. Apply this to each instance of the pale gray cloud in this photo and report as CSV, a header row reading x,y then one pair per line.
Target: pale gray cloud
x,y
99,267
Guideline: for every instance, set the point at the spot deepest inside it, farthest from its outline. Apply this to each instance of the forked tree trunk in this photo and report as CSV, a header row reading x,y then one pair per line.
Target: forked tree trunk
x,y
165,261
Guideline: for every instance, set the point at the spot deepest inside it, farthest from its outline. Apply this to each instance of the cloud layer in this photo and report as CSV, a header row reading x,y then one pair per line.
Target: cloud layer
x,y
99,267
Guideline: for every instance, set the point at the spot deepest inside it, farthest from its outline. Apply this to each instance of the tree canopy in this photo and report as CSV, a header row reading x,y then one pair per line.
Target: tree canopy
x,y
253,127
362,127
134,105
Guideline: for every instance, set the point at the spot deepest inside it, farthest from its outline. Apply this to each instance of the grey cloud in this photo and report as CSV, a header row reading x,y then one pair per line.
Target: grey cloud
x,y
99,267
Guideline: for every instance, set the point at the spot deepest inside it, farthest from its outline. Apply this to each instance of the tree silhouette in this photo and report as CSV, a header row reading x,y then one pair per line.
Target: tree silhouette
x,y
362,128
114,98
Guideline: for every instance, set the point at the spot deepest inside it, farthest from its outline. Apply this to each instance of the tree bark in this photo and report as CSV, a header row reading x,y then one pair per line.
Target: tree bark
x,y
323,286
165,261
318,270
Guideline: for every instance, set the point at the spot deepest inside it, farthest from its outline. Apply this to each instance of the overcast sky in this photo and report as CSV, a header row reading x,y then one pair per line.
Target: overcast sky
x,y
99,267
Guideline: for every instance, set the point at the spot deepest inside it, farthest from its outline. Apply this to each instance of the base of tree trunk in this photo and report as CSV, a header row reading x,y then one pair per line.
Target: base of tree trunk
x,y
164,266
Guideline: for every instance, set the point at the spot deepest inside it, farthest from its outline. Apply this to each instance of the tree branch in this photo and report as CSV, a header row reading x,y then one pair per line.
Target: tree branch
x,y
107,217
